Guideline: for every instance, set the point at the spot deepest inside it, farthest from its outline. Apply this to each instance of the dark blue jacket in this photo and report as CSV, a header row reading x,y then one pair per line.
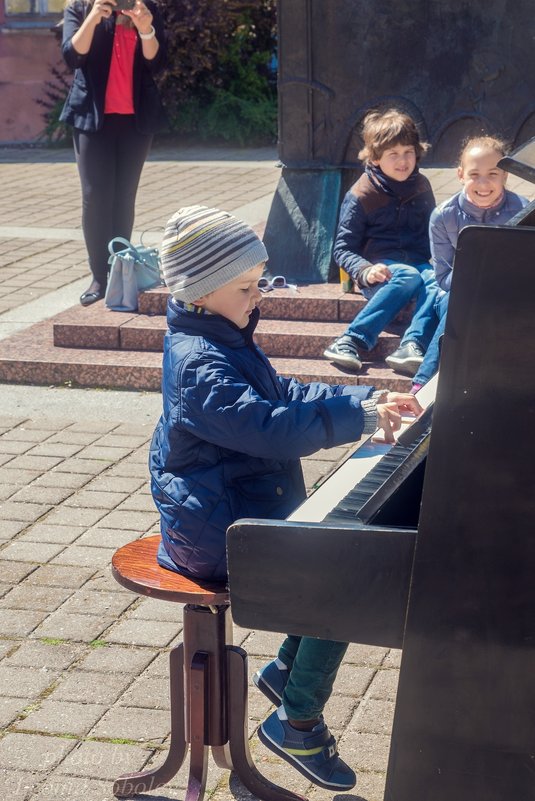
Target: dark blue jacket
x,y
383,219
84,107
228,443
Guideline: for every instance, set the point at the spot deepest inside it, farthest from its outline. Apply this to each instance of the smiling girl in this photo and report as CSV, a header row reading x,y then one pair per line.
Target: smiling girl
x,y
483,200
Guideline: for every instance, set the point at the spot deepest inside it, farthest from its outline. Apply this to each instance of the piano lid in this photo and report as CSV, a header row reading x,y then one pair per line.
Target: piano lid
x,y
521,161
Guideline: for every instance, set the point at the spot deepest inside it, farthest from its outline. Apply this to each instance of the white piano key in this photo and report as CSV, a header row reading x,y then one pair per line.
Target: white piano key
x,y
354,469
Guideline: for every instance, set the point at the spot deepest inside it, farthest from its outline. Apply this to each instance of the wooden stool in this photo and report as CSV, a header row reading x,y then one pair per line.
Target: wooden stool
x,y
208,681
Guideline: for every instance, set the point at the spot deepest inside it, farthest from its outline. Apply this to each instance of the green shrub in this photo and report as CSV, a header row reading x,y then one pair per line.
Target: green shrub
x,y
219,83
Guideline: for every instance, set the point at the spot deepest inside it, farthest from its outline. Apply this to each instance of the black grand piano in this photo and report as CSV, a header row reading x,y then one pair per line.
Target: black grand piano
x,y
432,550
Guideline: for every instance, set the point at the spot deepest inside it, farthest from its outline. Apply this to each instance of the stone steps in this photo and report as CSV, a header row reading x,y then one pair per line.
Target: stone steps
x,y
96,347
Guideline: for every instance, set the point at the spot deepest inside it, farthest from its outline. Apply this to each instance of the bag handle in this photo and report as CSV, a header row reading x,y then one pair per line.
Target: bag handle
x,y
158,228
119,240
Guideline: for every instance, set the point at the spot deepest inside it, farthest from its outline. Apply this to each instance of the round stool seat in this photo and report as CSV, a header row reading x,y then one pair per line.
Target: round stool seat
x,y
135,567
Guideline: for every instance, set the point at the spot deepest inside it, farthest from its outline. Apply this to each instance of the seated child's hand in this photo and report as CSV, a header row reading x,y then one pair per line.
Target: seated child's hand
x,y
389,413
378,274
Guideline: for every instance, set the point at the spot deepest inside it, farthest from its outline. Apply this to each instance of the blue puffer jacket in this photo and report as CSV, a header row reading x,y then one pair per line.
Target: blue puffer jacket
x,y
451,216
230,437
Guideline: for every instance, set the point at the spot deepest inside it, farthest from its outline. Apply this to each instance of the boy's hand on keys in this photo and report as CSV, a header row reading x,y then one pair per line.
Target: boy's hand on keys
x,y
390,413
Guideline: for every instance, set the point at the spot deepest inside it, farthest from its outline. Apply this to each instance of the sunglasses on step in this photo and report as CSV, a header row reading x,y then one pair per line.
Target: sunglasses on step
x,y
277,282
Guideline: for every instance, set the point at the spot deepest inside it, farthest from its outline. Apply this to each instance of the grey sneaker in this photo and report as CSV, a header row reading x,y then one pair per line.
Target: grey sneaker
x,y
406,359
344,352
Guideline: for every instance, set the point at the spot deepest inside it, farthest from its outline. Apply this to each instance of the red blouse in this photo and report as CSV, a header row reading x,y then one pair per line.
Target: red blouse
x,y
120,87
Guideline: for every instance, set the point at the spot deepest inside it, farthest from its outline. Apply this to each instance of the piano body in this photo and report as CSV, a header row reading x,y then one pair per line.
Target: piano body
x,y
452,580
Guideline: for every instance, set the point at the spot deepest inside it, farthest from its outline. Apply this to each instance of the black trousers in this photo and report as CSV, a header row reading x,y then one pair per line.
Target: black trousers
x,y
109,162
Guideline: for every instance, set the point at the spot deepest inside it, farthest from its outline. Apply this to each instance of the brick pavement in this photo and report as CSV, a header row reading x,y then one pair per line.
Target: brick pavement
x,y
83,662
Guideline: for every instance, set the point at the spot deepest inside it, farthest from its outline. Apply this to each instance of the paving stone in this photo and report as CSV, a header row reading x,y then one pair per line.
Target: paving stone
x,y
103,760
36,753
69,516
46,598
50,496
143,632
113,483
21,624
13,448
137,503
129,521
373,716
10,709
16,784
105,604
154,609
393,659
263,643
22,550
39,464
92,426
44,654
62,717
56,478
366,750
14,572
8,490
353,680
96,500
148,693
25,512
123,441
19,681
102,537
133,723
81,556
120,659
84,687
60,576
42,532
61,449
58,787
371,655
101,453
87,466
384,685
83,628
128,469
71,437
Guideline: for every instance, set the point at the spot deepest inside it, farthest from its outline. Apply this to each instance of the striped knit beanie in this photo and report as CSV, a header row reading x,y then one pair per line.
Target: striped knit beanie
x,y
204,249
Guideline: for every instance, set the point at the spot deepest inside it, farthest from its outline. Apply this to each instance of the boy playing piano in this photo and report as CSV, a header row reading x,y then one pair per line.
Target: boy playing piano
x,y
228,444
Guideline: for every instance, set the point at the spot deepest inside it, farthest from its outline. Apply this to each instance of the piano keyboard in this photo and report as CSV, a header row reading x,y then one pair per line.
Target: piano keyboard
x,y
329,496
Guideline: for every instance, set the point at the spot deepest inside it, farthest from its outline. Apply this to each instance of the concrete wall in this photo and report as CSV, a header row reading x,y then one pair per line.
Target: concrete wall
x,y
26,58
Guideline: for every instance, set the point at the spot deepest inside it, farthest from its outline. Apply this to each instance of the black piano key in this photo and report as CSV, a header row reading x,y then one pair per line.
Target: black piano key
x,y
387,477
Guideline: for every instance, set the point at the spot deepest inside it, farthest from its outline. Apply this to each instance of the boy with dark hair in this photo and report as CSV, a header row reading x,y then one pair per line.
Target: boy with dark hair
x,y
382,241
228,444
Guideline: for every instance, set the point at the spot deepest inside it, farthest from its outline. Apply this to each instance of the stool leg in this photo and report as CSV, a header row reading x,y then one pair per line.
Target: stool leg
x,y
198,726
133,783
238,735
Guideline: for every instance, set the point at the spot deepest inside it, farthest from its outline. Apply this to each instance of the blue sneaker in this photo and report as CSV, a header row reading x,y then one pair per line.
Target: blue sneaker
x,y
272,679
312,753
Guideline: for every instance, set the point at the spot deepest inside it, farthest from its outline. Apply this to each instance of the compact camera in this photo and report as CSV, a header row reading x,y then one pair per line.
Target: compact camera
x,y
125,5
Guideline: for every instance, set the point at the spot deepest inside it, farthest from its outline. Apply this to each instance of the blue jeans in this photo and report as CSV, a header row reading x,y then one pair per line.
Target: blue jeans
x,y
429,366
313,666
386,300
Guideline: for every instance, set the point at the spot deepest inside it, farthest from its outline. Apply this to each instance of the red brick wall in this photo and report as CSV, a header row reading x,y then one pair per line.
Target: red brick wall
x,y
26,58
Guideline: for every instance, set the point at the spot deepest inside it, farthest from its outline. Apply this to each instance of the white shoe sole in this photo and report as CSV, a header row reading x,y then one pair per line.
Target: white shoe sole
x,y
345,361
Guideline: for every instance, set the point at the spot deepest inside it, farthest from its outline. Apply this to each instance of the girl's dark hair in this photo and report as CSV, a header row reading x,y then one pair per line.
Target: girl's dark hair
x,y
384,129
487,143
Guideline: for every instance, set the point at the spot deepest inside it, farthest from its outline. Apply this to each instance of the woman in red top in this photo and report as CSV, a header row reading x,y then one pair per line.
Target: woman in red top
x,y
114,109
